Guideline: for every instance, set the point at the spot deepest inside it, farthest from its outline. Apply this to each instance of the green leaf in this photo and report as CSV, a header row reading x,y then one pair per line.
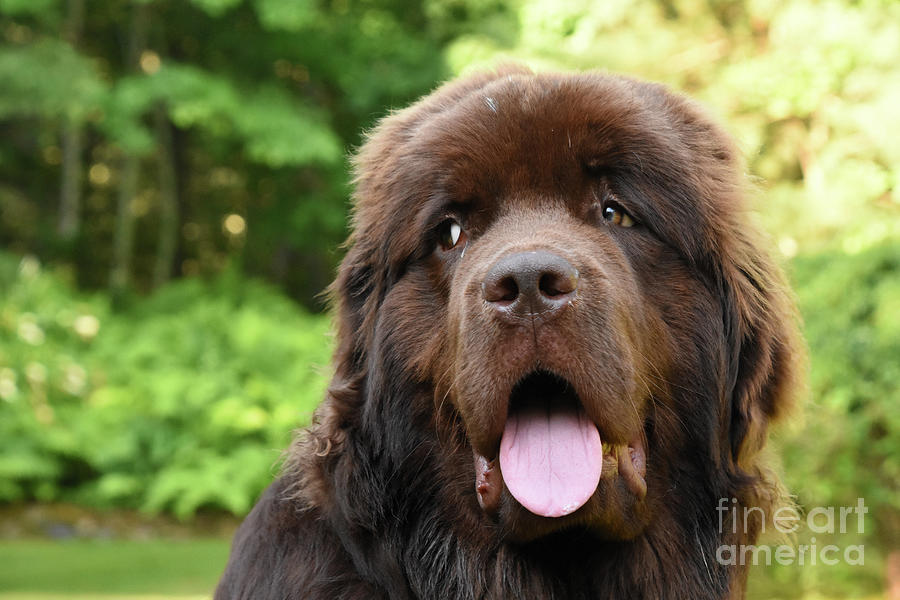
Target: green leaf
x,y
275,128
49,79
29,7
215,8
289,15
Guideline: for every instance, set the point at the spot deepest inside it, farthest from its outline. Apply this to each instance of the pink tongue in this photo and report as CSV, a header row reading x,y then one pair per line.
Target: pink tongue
x,y
551,460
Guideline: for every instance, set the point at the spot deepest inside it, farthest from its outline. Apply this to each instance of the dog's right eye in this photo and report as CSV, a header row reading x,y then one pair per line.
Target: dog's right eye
x,y
450,234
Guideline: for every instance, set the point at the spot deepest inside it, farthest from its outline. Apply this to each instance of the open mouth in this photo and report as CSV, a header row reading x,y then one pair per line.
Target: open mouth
x,y
552,457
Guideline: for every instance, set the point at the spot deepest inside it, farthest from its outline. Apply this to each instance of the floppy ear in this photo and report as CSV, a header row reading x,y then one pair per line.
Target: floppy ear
x,y
766,354
316,449
355,296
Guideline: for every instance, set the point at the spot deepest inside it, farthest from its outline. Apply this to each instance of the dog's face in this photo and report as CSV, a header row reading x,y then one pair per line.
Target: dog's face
x,y
562,262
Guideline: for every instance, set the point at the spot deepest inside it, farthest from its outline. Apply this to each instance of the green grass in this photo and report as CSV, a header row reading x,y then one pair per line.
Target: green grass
x,y
189,569
45,570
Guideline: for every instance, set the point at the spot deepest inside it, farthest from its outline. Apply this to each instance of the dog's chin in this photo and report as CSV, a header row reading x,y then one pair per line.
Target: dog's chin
x,y
596,487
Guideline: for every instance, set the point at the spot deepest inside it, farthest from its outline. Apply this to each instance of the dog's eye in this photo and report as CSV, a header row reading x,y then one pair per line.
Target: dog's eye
x,y
613,213
450,234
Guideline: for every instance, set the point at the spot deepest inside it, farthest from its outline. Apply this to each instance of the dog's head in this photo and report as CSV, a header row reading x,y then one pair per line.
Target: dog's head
x,y
564,264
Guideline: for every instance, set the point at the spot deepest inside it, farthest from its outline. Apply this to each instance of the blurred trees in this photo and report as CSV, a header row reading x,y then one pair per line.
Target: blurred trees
x,y
132,130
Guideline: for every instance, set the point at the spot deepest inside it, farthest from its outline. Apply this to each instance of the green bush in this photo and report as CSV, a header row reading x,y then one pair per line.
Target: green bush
x,y
845,445
183,401
848,447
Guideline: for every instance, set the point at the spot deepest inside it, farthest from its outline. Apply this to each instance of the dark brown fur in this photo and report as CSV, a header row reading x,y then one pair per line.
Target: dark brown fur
x,y
682,334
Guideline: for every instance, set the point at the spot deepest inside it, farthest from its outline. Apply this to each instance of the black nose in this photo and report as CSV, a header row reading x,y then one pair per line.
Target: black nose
x,y
526,284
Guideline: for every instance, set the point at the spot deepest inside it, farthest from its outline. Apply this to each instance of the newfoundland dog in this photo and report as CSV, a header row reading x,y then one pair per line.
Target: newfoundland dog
x,y
560,345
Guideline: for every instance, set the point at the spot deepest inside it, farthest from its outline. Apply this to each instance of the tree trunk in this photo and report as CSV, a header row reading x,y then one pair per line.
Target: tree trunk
x,y
70,186
70,176
168,200
123,238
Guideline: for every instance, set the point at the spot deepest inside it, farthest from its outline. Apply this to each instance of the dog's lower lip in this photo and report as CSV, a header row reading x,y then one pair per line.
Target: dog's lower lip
x,y
632,465
628,461
488,483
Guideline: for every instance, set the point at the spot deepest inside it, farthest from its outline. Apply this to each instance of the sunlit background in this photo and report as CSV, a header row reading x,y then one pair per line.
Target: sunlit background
x,y
173,194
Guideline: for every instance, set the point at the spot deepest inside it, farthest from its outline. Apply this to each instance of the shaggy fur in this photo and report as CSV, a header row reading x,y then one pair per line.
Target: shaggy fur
x,y
680,335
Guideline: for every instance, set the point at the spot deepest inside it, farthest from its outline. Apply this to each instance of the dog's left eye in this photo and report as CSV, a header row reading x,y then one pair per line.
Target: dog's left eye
x,y
450,234
615,214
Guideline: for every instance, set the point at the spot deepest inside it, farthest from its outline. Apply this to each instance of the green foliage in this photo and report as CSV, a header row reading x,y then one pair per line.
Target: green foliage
x,y
290,16
846,447
275,129
28,7
216,8
181,402
262,97
48,79
851,304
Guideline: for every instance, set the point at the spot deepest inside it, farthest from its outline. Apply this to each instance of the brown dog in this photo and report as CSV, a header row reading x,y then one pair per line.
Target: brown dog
x,y
560,346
